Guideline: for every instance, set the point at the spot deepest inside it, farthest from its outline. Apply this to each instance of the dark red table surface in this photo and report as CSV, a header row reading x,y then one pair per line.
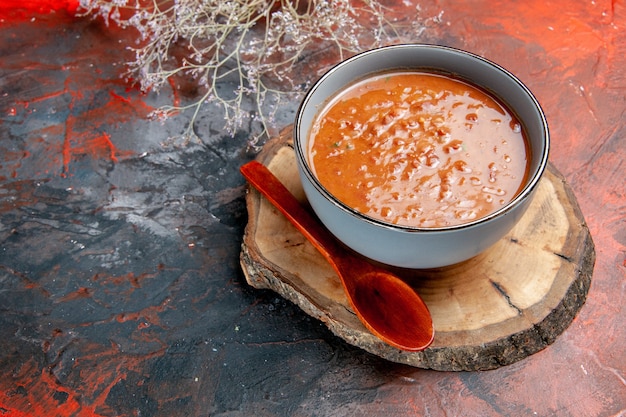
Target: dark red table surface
x,y
120,287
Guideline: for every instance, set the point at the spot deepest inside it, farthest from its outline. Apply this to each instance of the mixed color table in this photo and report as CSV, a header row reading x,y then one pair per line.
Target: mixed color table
x,y
121,292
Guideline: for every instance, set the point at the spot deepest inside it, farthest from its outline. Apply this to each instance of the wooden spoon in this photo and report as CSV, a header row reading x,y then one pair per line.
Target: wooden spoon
x,y
385,304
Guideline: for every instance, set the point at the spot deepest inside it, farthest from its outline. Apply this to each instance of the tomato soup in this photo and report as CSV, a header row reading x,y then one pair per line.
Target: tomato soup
x,y
418,149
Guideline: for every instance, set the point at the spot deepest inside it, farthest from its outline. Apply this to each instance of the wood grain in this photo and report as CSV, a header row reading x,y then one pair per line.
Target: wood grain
x,y
497,308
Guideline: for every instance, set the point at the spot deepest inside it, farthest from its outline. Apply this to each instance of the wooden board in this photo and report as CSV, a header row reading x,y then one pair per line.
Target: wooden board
x,y
495,309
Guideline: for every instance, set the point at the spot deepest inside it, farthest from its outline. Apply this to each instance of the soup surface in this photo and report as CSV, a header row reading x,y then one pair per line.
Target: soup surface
x,y
418,149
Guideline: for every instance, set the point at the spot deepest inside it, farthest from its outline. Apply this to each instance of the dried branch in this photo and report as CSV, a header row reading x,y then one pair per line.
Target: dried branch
x,y
264,47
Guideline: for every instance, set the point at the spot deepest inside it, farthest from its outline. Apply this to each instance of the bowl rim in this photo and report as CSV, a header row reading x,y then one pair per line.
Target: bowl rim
x,y
525,193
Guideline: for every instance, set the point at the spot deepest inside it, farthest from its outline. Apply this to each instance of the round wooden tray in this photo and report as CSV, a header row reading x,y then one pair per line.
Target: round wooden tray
x,y
495,309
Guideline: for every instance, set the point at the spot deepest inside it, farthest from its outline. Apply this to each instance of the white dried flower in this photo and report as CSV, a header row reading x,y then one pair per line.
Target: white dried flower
x,y
261,45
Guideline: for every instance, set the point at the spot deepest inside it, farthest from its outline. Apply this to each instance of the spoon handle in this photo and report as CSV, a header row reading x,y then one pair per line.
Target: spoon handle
x,y
385,304
271,188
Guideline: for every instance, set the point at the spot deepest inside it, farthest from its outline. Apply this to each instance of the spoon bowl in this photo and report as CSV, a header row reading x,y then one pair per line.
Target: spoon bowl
x,y
385,304
389,309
